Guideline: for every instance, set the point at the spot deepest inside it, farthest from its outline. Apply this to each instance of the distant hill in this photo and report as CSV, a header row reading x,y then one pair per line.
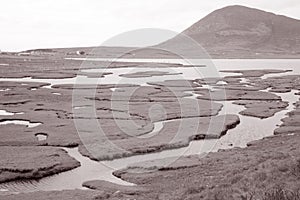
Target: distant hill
x,y
230,32
238,31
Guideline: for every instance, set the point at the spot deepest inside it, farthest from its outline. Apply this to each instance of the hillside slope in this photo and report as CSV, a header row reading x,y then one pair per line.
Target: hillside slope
x,y
238,31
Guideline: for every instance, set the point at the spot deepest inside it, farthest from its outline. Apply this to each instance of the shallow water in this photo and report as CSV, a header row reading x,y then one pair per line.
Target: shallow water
x,y
220,64
115,78
41,136
56,93
238,137
157,127
5,113
3,90
252,128
20,122
212,70
91,170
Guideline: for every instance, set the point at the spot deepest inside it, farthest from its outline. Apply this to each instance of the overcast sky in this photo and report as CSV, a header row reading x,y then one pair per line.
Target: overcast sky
x,y
66,23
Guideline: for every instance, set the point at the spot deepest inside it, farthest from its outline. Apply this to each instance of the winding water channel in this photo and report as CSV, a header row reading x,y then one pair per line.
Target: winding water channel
x,y
239,136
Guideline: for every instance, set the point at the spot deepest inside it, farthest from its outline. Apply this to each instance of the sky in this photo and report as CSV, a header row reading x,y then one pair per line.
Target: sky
x,y
71,23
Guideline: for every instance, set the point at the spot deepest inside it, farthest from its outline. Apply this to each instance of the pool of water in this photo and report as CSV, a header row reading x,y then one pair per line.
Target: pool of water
x,y
20,122
41,136
3,90
7,113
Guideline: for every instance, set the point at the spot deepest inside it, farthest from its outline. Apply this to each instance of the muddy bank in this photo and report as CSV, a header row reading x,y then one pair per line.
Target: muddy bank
x,y
290,124
240,171
255,73
114,188
131,105
17,163
228,174
231,95
252,90
56,66
174,134
123,115
261,109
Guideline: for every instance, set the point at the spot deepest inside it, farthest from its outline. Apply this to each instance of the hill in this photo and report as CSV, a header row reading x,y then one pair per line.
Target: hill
x,y
238,31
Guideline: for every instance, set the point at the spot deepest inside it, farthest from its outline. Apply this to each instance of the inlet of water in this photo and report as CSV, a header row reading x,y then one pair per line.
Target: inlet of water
x,y
20,122
6,113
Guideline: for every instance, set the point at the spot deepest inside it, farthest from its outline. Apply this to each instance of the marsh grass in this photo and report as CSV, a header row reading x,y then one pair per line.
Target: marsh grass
x,y
296,169
279,193
275,193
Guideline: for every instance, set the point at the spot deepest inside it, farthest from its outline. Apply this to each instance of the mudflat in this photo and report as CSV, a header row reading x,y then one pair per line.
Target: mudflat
x,y
129,115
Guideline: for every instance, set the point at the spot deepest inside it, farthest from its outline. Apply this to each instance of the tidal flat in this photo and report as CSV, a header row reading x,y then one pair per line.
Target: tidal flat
x,y
146,130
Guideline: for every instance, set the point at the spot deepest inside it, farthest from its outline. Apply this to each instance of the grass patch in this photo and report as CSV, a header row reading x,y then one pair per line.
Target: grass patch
x,y
296,168
279,193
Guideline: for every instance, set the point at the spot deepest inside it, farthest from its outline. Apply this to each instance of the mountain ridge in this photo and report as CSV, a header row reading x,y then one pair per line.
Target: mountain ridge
x,y
239,29
230,32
